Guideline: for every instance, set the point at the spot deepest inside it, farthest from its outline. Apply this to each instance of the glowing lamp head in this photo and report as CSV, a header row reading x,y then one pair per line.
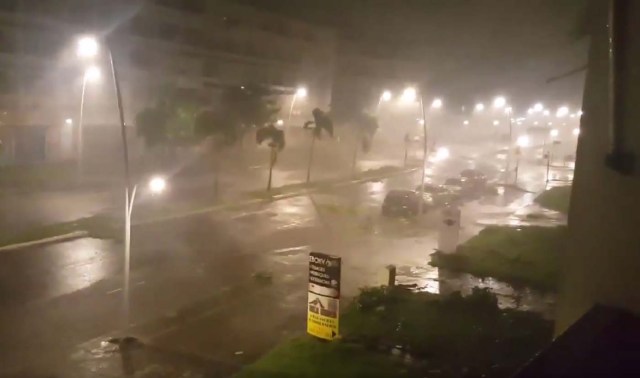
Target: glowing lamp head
x,y
385,96
87,47
157,185
301,92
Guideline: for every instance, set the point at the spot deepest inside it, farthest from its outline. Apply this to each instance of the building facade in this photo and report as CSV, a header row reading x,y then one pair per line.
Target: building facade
x,y
199,46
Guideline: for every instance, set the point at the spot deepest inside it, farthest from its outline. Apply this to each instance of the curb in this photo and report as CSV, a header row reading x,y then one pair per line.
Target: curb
x,y
49,240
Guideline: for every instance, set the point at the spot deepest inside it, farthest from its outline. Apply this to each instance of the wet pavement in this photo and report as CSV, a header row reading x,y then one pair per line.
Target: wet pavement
x,y
57,298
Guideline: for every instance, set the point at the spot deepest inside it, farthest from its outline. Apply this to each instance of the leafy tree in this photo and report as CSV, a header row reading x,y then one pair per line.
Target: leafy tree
x,y
170,120
276,140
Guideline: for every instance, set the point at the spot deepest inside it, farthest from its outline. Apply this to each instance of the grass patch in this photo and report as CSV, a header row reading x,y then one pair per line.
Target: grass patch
x,y
307,357
557,198
100,227
528,256
430,335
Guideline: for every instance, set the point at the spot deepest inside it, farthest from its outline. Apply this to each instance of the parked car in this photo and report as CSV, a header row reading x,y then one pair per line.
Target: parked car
x,y
442,195
404,203
474,178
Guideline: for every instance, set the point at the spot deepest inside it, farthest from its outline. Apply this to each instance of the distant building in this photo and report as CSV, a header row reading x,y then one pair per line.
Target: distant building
x,y
362,74
198,46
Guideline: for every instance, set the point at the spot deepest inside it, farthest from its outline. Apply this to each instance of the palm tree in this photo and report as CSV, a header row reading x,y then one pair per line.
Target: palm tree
x,y
321,121
276,144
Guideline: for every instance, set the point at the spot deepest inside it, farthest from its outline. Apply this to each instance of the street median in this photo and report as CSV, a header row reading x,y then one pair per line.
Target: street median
x,y
110,225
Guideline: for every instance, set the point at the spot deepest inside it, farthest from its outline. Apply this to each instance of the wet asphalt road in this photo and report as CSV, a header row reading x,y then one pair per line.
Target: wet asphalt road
x,y
56,296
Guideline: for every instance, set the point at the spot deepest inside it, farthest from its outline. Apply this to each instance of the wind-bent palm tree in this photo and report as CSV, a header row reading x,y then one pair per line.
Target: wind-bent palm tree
x,y
321,121
276,140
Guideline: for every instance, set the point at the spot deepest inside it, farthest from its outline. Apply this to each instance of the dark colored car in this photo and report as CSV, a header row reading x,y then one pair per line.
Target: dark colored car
x,y
442,195
474,178
404,203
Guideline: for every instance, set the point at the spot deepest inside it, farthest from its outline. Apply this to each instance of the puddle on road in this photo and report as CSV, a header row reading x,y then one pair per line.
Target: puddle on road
x,y
438,281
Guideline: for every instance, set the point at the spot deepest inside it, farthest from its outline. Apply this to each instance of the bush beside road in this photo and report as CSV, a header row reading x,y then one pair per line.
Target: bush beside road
x,y
522,256
557,198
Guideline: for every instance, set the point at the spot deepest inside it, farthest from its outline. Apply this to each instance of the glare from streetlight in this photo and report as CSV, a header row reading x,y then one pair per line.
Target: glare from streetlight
x,y
466,122
421,121
409,95
572,115
523,141
499,102
442,153
554,133
301,92
508,110
279,122
549,123
535,123
92,74
576,131
437,103
580,113
496,123
68,121
538,107
479,107
87,47
546,112
562,111
530,111
386,96
157,185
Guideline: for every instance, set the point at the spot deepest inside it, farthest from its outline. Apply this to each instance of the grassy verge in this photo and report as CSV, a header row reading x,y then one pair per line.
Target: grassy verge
x,y
526,256
557,199
396,333
97,226
306,357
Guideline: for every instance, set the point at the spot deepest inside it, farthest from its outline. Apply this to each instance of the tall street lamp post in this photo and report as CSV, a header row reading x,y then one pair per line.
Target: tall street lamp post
x,y
88,47
91,74
301,92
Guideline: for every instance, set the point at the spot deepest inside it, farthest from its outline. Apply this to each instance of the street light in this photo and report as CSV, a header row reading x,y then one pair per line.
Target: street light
x,y
523,141
554,133
546,112
384,97
562,111
499,102
576,131
68,121
91,75
301,92
279,122
157,185
538,107
530,111
496,123
436,104
88,47
479,107
409,95
465,122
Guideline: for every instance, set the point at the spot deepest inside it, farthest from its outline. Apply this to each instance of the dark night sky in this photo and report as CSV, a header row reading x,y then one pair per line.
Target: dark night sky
x,y
471,48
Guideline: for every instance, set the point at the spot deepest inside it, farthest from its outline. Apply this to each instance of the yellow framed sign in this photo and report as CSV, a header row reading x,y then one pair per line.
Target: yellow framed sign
x,y
323,305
